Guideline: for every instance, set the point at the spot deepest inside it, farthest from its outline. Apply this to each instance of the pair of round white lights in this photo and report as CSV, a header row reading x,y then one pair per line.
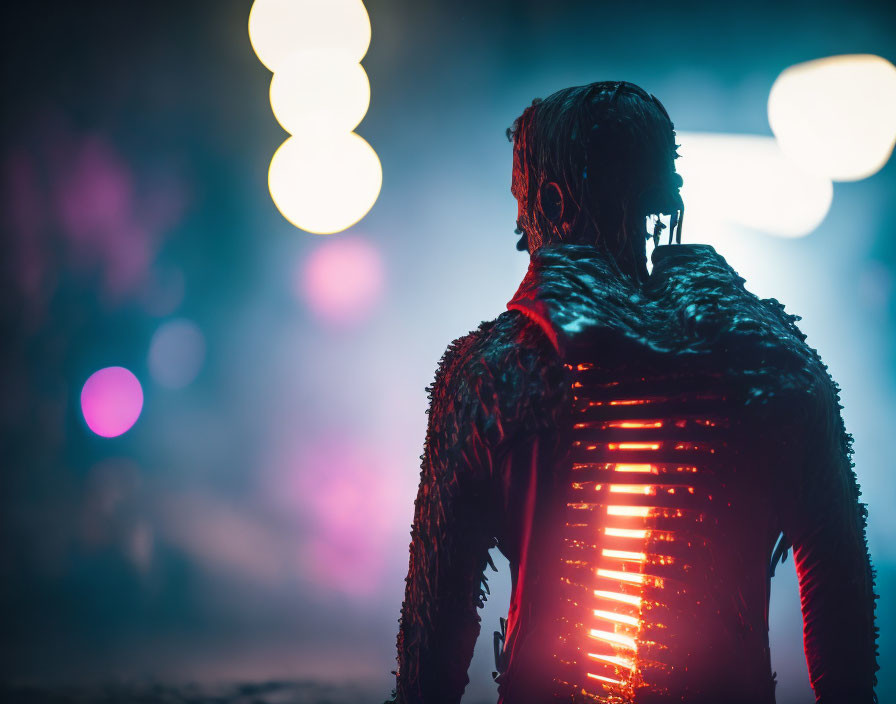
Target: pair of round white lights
x,y
324,178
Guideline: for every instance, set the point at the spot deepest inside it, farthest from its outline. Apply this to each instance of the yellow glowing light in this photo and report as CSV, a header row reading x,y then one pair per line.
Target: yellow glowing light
x,y
278,28
625,533
616,596
624,555
635,468
633,577
320,92
747,180
619,618
641,511
836,116
615,638
646,489
324,184
601,678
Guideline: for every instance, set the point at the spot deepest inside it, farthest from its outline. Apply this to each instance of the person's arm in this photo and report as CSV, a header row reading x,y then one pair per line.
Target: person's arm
x,y
836,581
450,538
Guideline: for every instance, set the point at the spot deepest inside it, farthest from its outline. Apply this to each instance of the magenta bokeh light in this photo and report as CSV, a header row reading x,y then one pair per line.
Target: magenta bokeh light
x,y
111,401
342,280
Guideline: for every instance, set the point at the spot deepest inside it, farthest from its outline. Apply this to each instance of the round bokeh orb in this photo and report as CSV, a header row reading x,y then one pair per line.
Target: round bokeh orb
x,y
342,280
320,91
278,27
176,353
836,116
111,401
325,183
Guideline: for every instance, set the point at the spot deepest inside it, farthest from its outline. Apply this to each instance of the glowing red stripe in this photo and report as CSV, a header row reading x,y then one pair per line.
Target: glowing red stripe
x,y
624,555
614,660
642,511
634,577
616,596
619,618
625,533
633,446
603,679
635,424
636,468
646,489
615,638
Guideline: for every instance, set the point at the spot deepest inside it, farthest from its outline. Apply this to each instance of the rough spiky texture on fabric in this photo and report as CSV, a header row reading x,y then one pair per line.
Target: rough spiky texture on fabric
x,y
492,386
505,384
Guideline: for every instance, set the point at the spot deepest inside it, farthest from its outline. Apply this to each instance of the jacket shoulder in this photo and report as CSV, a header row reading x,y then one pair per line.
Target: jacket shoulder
x,y
503,378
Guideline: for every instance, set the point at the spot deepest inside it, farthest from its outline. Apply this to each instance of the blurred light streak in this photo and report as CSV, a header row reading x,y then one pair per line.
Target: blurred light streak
x,y
836,116
325,178
747,180
111,401
176,353
306,99
277,28
327,183
342,280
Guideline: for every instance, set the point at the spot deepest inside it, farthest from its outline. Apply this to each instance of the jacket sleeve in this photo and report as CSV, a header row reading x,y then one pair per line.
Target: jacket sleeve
x,y
450,538
836,580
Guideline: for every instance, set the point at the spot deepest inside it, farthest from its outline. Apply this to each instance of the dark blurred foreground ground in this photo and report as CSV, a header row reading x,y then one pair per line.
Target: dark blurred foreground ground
x,y
155,693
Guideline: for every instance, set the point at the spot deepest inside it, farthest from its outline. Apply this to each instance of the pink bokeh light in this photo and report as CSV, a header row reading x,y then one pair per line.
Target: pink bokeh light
x,y
342,280
340,494
111,401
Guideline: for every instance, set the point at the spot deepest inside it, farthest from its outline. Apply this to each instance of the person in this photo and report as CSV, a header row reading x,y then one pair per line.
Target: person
x,y
643,447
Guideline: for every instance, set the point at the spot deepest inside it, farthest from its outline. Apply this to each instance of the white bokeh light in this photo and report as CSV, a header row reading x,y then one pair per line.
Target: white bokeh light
x,y
320,91
325,183
278,28
836,116
746,180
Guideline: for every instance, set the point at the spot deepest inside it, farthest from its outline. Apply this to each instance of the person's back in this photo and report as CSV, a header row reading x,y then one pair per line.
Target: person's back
x,y
634,445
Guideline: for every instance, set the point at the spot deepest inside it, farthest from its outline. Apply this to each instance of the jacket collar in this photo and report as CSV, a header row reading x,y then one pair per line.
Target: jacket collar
x,y
570,289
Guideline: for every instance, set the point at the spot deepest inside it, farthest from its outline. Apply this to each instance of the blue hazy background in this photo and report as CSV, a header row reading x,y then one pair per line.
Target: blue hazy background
x,y
254,523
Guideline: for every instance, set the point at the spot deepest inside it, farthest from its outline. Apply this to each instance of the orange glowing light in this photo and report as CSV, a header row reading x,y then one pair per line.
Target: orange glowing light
x,y
641,511
633,446
614,660
624,555
619,618
603,679
616,596
615,638
646,489
629,402
625,533
635,424
636,468
634,577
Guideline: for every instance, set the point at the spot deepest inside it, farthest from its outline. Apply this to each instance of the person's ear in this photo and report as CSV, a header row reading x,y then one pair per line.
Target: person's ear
x,y
550,202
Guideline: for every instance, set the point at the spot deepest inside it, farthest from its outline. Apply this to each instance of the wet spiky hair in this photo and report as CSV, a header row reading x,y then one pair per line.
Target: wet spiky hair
x,y
610,148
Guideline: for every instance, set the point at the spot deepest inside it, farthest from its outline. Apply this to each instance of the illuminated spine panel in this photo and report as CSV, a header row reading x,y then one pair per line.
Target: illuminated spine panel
x,y
642,469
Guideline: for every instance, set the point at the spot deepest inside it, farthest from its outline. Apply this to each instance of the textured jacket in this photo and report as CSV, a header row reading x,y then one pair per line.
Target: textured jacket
x,y
643,455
